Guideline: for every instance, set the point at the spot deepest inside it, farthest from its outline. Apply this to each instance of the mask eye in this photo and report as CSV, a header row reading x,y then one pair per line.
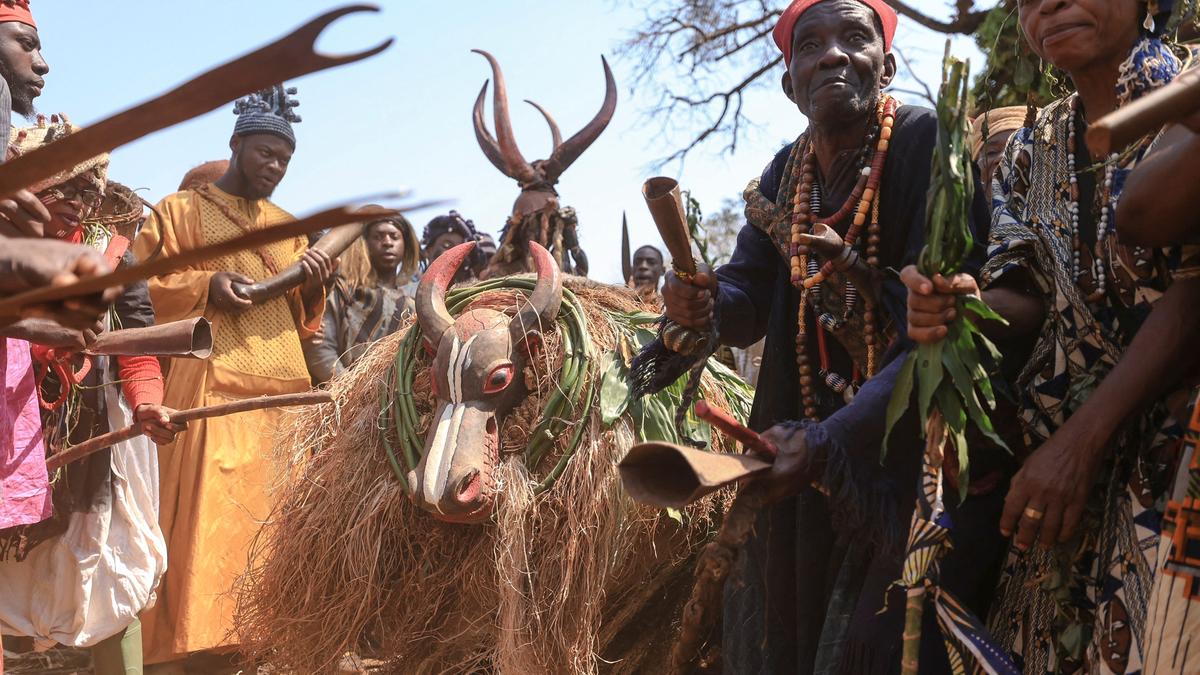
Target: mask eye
x,y
499,379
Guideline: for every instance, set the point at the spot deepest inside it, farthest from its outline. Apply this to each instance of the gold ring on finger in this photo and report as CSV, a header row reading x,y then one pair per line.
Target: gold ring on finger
x,y
1034,514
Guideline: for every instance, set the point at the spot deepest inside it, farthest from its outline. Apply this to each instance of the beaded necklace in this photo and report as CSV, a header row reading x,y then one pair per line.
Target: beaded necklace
x,y
1105,206
807,274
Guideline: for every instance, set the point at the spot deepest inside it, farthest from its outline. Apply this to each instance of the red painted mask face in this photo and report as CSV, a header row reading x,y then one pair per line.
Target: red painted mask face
x,y
477,379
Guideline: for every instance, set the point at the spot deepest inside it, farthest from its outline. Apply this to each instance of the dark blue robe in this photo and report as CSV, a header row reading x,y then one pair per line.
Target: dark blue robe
x,y
806,595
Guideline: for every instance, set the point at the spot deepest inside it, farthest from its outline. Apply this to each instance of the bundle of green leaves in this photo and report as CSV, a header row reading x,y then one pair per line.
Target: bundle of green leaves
x,y
949,375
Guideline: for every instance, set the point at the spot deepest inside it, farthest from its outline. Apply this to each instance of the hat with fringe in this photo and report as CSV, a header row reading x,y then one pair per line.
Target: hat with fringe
x,y
270,111
23,140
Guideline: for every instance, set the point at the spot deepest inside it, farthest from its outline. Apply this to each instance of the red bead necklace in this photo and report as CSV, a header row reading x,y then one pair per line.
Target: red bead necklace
x,y
866,197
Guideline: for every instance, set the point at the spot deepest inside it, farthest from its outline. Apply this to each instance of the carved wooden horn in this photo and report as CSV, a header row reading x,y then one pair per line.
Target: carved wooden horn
x,y
555,134
515,165
626,256
486,141
432,314
546,299
565,154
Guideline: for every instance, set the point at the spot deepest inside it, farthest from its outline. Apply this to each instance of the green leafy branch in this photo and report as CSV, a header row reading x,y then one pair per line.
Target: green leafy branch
x,y
949,376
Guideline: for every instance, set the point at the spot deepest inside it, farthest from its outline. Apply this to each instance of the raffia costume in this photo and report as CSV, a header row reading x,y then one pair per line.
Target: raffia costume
x,y
1082,607
215,477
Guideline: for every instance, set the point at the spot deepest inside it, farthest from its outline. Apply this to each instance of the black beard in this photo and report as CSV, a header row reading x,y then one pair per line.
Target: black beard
x,y
248,182
22,101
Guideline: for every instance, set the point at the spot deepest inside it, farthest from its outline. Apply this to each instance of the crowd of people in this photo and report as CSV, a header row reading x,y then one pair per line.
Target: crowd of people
x,y
84,552
1076,548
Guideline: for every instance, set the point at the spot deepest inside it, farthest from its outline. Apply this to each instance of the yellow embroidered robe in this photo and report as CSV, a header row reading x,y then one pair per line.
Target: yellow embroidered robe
x,y
215,477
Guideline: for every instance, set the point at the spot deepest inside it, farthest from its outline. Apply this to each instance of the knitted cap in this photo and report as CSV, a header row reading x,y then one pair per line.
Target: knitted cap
x,y
23,140
269,111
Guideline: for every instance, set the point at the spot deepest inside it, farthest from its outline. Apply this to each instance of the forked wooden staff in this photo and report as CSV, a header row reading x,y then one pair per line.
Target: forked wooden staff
x,y
94,445
287,58
342,215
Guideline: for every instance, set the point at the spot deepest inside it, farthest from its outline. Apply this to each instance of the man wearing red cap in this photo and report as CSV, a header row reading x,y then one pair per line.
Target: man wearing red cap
x,y
831,215
23,71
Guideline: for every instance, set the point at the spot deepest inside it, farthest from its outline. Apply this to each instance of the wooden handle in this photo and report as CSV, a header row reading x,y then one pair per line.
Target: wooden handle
x,y
94,445
665,201
334,244
1145,116
725,422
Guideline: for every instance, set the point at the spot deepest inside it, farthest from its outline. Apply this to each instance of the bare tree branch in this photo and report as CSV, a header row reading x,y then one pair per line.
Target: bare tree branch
x,y
704,56
965,21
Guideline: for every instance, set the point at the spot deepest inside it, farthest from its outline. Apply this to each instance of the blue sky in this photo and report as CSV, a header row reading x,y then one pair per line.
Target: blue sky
x,y
404,117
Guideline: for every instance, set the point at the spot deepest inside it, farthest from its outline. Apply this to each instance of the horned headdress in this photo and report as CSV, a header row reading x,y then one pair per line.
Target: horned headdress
x,y
537,179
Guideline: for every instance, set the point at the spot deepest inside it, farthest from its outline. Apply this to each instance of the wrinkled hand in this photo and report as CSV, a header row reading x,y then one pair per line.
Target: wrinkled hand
x,y
222,294
155,422
823,240
691,304
932,302
789,473
27,264
1054,482
22,214
318,270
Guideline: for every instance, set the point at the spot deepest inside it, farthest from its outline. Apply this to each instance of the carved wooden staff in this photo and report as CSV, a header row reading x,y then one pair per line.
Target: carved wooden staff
x,y
333,244
88,447
1146,115
341,215
290,57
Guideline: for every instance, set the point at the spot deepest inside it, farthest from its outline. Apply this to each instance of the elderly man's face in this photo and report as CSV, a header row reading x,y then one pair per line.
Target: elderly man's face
x,y
992,153
22,65
838,63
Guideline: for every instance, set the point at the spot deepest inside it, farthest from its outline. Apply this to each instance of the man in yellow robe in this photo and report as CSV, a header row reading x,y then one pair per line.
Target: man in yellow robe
x,y
215,477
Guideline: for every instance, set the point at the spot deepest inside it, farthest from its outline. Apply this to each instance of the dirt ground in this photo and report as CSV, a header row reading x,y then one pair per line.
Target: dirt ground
x,y
64,661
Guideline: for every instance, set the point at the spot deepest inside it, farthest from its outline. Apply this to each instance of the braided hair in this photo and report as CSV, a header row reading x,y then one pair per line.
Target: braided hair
x,y
454,223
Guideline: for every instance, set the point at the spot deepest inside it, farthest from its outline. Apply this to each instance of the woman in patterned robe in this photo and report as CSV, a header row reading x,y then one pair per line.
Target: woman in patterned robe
x,y
1093,487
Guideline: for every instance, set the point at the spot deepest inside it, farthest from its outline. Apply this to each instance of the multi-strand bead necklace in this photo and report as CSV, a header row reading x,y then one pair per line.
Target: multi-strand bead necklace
x,y
1106,208
807,275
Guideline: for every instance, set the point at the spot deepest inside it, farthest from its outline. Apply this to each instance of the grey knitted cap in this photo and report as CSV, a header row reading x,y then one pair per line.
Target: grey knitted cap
x,y
270,111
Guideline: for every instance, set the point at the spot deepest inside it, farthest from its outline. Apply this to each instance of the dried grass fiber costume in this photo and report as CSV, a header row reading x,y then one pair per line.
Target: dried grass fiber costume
x,y
216,475
545,565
